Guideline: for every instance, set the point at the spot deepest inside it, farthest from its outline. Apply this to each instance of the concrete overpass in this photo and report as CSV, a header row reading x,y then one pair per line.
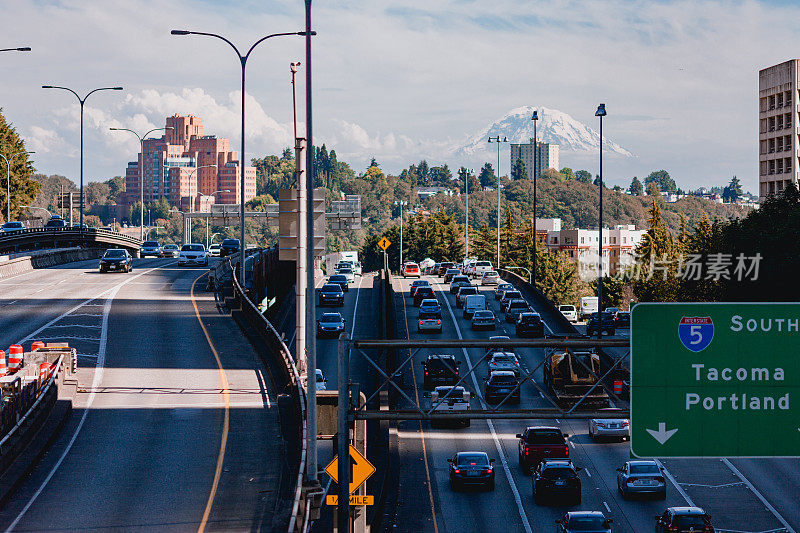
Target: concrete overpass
x,y
42,238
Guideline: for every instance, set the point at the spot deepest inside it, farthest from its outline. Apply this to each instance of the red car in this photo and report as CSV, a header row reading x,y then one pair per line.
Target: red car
x,y
411,269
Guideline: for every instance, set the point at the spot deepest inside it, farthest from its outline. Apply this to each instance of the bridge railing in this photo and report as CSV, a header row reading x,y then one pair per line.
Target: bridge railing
x,y
35,238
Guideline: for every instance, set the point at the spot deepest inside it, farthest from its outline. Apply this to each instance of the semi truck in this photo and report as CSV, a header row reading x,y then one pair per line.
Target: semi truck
x,y
333,259
570,374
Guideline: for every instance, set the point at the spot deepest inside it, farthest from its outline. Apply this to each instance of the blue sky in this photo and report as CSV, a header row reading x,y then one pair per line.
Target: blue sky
x,y
404,80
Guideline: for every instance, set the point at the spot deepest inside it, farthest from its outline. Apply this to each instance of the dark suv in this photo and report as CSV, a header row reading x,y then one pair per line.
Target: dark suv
x,y
556,477
499,385
597,324
684,519
331,294
229,247
440,370
443,268
530,325
537,443
423,293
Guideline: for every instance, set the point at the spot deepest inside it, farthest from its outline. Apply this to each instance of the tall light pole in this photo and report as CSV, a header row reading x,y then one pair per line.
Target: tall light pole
x,y
243,62
497,140
8,180
535,119
466,213
82,102
212,194
141,173
601,112
401,203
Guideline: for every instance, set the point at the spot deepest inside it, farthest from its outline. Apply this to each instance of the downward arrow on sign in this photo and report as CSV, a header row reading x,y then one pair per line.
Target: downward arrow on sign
x,y
662,435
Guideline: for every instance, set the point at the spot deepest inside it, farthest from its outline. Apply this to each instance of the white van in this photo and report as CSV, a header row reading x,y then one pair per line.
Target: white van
x,y
472,303
588,305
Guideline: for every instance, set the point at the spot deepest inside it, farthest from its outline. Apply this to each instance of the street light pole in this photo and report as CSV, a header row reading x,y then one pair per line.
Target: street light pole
x,y
8,181
401,203
209,213
82,102
535,119
497,140
243,62
466,215
601,112
141,173
25,49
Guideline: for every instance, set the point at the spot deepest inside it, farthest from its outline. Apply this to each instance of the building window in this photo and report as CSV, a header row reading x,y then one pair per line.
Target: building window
x,y
772,167
772,102
779,166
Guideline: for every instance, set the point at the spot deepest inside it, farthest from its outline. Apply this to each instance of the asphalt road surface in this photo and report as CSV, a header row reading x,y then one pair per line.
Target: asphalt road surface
x,y
427,502
176,425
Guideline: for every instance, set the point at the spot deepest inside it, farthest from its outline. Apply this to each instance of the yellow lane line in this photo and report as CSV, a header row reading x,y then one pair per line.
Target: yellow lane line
x,y
421,432
227,419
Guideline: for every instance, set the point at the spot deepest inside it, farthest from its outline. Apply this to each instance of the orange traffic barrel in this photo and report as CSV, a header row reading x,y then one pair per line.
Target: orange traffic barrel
x,y
3,369
618,386
15,357
44,371
35,345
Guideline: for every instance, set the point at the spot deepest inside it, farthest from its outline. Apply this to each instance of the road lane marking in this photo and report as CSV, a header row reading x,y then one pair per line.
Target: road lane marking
x,y
227,416
421,432
675,483
98,376
755,491
525,523
606,506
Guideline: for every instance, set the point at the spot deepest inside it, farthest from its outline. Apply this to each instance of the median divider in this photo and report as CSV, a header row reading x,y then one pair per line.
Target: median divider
x,y
20,265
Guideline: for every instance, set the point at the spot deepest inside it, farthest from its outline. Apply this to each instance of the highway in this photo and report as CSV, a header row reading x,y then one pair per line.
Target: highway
x,y
428,504
175,427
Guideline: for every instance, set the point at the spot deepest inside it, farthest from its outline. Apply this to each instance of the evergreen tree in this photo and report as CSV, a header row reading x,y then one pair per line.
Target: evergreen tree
x,y
655,276
518,170
662,179
487,176
567,173
583,176
636,188
373,163
23,187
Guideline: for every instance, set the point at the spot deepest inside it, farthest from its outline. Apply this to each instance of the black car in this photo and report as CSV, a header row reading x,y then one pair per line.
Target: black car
x,y
330,324
622,319
341,280
56,223
515,308
117,260
450,273
440,370
471,468
463,292
556,479
423,293
229,247
331,294
684,520
501,384
530,325
597,324
443,267
584,522
507,297
417,283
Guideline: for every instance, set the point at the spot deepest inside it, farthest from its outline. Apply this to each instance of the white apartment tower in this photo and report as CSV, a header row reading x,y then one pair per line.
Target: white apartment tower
x,y
778,128
546,157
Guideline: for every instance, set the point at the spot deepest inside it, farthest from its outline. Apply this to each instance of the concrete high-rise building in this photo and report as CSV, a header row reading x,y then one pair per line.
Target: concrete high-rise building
x,y
170,165
778,128
546,157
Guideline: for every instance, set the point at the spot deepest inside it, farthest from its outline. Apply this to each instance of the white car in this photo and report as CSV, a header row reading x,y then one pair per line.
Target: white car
x,y
193,254
490,278
479,268
569,312
357,268
449,399
611,428
322,383
213,250
347,272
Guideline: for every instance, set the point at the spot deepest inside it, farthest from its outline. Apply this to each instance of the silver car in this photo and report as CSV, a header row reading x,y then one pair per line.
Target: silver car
x,y
490,278
504,361
610,428
641,477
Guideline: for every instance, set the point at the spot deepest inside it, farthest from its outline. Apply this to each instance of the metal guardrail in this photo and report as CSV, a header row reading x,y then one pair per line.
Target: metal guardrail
x,y
37,237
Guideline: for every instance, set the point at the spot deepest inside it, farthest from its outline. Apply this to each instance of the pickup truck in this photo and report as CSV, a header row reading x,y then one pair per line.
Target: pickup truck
x,y
538,443
457,401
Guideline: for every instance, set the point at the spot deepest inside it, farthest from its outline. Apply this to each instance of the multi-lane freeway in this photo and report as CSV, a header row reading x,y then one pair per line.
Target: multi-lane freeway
x,y
175,425
741,495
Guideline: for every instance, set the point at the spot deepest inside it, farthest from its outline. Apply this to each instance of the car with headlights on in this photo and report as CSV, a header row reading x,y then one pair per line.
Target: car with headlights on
x,y
117,260
193,254
483,320
584,522
150,248
170,250
556,479
341,280
600,323
417,283
684,520
609,428
530,324
502,288
471,469
330,324
430,322
331,294
490,278
502,386
641,477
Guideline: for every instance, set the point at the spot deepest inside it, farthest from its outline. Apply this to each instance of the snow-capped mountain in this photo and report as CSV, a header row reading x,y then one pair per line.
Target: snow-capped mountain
x,y
554,127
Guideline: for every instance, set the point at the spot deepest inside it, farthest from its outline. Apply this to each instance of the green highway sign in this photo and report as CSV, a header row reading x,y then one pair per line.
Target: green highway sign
x,y
715,380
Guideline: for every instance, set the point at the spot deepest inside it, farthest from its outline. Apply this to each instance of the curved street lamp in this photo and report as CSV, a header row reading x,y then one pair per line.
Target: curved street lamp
x,y
243,61
141,172
82,102
23,49
601,112
207,196
497,140
29,207
8,180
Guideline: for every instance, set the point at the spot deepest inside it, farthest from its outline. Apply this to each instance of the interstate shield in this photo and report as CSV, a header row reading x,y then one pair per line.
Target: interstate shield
x,y
696,332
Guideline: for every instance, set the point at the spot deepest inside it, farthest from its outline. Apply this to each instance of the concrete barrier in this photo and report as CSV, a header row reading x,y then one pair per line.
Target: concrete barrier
x,y
20,265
